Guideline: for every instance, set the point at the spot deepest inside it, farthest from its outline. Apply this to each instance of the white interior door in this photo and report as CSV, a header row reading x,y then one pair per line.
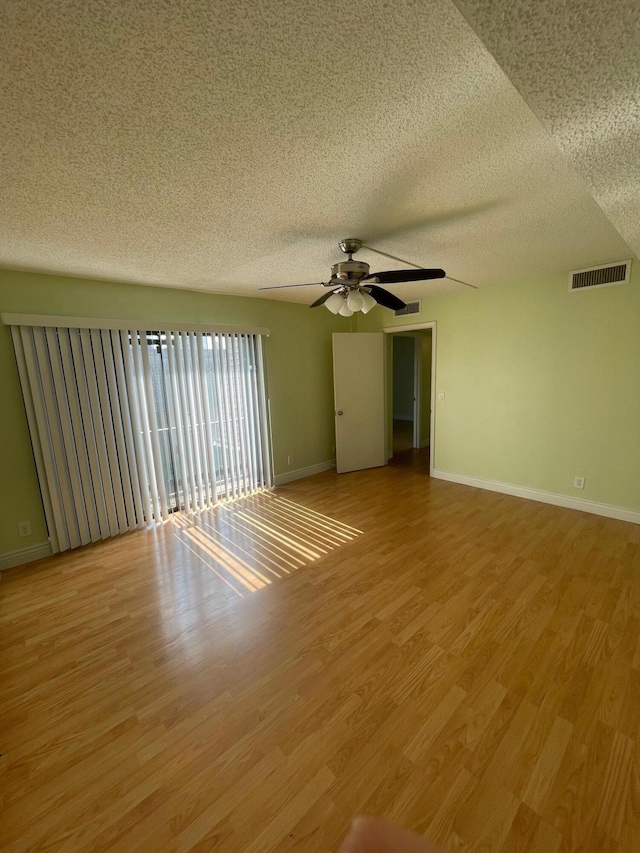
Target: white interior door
x,y
359,397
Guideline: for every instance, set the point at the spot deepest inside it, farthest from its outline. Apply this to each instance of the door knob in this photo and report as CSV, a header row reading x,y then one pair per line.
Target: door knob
x,y
339,412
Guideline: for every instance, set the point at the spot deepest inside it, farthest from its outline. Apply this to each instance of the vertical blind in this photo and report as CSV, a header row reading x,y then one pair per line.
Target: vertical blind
x,y
129,425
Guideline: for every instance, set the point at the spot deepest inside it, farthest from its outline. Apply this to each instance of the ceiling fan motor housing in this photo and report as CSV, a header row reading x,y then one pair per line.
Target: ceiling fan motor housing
x,y
349,272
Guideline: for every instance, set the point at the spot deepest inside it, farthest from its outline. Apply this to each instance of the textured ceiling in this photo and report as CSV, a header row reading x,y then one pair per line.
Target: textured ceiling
x,y
223,146
577,64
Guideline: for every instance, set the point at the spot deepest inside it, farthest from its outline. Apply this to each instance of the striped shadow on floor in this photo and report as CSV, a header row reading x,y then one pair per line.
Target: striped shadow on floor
x,y
251,542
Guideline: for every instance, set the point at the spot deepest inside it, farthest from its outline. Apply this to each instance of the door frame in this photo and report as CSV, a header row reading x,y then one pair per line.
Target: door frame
x,y
416,327
417,390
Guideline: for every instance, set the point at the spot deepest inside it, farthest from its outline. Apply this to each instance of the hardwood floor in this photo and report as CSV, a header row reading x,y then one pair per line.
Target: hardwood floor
x,y
463,662
402,435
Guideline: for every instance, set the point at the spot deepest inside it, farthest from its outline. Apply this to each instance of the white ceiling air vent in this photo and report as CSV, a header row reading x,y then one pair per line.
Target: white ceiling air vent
x,y
603,276
409,308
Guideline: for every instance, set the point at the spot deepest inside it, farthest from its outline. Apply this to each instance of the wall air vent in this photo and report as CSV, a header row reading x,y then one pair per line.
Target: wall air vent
x,y
603,276
409,308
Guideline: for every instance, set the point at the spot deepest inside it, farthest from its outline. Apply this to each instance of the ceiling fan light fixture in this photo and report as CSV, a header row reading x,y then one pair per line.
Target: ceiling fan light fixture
x,y
345,311
368,302
335,302
355,300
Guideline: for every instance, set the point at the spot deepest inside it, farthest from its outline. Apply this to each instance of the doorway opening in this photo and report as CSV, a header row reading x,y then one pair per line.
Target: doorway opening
x,y
406,414
410,393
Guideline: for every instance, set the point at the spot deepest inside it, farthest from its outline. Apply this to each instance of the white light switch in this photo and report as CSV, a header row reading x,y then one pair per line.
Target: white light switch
x,y
441,396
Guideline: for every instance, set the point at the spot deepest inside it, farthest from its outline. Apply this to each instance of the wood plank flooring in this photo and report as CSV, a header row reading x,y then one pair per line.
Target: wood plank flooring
x,y
463,662
402,435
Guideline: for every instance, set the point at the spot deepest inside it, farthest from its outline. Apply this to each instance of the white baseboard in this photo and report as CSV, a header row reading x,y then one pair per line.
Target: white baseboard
x,y
300,473
608,510
25,555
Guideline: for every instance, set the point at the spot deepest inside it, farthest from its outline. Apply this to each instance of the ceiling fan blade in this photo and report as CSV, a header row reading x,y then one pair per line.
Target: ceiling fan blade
x,y
309,284
384,298
397,276
323,298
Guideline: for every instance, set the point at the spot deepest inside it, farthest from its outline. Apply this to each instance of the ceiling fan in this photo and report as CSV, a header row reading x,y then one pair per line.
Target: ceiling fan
x,y
354,288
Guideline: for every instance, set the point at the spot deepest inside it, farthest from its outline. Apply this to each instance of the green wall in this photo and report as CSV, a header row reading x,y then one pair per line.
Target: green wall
x,y
541,385
298,356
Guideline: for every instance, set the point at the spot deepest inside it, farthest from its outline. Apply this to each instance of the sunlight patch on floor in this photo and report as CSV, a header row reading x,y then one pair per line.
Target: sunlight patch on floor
x,y
251,542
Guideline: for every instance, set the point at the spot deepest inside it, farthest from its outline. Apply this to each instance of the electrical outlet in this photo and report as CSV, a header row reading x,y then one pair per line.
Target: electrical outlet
x,y
441,397
578,482
24,528
289,460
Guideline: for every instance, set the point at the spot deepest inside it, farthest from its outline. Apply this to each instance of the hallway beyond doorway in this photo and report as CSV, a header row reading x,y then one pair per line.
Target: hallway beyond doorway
x,y
402,435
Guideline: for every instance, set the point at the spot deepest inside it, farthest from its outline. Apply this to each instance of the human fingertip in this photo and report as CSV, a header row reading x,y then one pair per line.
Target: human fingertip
x,y
351,843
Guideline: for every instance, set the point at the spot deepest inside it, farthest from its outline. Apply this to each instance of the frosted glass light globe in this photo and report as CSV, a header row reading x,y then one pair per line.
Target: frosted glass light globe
x,y
368,303
355,301
345,310
334,303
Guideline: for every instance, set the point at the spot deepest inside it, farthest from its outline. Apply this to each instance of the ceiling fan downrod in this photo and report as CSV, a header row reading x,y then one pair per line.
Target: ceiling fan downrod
x,y
350,246
349,272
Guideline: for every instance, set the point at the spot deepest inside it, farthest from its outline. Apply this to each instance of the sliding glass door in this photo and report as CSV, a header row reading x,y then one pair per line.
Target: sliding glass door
x,y
129,426
221,414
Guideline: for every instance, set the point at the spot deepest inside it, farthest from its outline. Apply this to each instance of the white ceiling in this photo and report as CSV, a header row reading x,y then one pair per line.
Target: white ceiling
x,y
577,64
223,146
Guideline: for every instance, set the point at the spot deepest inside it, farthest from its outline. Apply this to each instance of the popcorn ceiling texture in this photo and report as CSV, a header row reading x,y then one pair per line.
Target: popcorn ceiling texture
x,y
577,64
223,146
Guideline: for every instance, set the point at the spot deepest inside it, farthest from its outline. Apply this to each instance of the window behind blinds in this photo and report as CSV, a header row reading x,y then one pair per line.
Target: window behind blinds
x,y
129,425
